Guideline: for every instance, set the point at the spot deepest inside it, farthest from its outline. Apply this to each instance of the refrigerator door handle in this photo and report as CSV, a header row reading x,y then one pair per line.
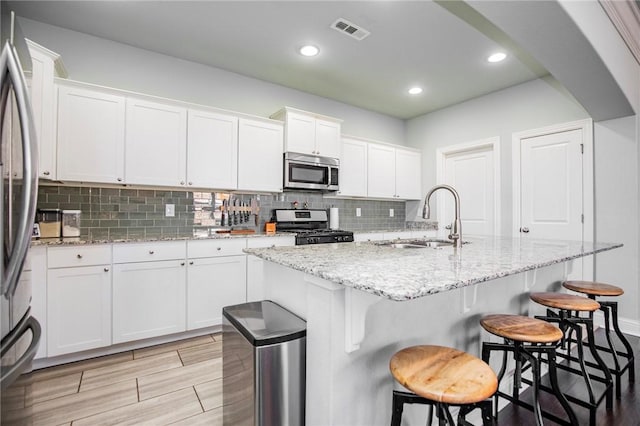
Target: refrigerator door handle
x,y
11,74
10,373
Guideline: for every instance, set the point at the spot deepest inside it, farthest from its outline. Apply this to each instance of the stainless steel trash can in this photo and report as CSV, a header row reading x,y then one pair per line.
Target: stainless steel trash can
x,y
263,365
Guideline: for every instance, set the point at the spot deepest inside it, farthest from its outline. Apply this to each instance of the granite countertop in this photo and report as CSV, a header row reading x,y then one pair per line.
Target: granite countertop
x,y
405,274
81,241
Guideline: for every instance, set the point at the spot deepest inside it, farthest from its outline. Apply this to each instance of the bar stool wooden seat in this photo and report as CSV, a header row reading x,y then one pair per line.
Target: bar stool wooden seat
x,y
440,376
527,337
569,319
610,309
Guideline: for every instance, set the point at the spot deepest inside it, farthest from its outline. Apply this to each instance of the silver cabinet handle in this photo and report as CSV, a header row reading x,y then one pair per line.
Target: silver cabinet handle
x,y
190,183
181,182
447,227
13,77
106,269
119,179
151,251
219,248
79,256
524,230
191,262
46,173
181,263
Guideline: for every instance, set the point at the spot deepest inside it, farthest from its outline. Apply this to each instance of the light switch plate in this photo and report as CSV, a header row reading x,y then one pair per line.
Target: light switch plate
x,y
358,212
391,213
170,210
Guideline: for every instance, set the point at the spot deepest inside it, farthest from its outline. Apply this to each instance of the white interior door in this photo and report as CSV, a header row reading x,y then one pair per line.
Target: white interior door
x,y
472,172
551,186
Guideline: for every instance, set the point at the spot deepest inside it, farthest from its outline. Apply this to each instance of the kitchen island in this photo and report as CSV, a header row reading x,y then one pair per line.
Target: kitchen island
x,y
365,301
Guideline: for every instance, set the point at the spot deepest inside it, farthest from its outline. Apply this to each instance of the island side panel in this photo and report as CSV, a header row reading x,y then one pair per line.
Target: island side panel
x,y
355,388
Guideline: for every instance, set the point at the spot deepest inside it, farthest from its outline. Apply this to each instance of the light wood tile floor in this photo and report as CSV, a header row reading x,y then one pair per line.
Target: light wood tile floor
x,y
176,383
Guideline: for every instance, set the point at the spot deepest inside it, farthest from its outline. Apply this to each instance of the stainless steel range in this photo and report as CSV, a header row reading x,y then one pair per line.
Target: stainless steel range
x,y
310,226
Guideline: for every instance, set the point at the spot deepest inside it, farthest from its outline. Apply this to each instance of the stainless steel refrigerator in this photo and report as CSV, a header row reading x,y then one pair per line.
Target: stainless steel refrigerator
x,y
18,168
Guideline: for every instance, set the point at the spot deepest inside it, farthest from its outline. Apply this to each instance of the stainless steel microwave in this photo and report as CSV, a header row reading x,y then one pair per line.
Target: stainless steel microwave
x,y
303,171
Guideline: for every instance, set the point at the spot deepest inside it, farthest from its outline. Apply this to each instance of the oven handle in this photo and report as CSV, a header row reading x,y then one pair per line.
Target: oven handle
x,y
11,373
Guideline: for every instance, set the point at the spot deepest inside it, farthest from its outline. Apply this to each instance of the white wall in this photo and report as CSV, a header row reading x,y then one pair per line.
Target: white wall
x,y
99,61
530,105
616,175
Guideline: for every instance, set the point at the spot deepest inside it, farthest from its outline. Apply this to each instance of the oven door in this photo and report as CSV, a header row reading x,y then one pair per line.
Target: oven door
x,y
310,172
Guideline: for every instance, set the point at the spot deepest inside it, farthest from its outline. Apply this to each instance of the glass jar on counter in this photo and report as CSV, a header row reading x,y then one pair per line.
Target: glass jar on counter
x,y
71,223
49,221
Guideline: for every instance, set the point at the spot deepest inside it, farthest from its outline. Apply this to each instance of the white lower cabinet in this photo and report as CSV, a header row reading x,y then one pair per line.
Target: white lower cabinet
x,y
78,309
148,299
213,283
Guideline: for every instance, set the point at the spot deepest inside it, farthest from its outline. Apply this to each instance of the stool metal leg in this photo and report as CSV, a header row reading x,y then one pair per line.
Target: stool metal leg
x,y
607,374
629,355
535,368
553,375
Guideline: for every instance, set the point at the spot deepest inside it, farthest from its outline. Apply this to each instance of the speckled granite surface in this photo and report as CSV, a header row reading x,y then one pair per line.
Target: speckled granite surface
x,y
405,274
81,241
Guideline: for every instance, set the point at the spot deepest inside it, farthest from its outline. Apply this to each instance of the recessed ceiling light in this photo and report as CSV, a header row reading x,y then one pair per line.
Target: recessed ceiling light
x,y
309,50
415,90
497,57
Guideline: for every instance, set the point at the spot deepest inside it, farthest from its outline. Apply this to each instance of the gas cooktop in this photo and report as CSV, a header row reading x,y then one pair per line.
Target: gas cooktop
x,y
310,227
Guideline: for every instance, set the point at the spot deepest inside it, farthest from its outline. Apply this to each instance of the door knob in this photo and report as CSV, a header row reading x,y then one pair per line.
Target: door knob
x,y
524,229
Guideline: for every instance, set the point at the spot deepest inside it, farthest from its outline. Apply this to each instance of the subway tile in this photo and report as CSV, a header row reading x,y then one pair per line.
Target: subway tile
x,y
137,215
128,207
135,232
110,191
146,208
137,200
49,189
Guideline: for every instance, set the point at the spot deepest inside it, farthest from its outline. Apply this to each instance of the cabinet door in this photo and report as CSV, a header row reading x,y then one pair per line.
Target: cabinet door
x,y
328,138
381,171
255,279
42,103
212,150
78,309
300,133
38,259
260,160
90,136
213,283
148,299
156,143
408,176
353,168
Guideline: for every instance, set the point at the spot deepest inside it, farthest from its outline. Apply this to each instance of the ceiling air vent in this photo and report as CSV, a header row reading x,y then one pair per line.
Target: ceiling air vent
x,y
350,29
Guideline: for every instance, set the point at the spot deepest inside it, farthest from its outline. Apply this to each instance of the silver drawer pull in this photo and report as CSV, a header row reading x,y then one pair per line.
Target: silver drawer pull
x,y
151,251
219,248
46,173
106,269
181,263
79,256
191,263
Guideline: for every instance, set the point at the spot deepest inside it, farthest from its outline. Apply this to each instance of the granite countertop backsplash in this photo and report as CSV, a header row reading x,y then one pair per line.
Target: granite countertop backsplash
x,y
374,267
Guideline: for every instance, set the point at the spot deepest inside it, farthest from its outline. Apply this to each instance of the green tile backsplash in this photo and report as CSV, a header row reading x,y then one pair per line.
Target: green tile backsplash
x,y
115,213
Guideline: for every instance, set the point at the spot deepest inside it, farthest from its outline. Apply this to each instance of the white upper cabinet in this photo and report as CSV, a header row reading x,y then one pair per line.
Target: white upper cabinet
x,y
353,168
393,172
156,143
46,66
310,133
408,176
381,171
90,135
260,160
212,150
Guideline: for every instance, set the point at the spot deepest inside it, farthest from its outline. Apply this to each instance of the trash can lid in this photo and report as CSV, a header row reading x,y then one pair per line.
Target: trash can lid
x,y
265,322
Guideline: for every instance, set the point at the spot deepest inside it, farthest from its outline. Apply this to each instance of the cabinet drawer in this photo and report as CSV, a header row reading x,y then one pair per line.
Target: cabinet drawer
x,y
280,241
213,248
64,257
147,252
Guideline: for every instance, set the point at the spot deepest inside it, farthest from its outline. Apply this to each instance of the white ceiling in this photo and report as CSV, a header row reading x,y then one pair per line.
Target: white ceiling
x,y
411,43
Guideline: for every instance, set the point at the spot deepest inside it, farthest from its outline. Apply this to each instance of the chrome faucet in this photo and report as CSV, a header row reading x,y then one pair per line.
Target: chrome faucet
x,y
456,227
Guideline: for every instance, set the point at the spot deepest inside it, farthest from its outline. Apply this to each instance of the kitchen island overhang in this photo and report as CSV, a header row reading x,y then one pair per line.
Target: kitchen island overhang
x,y
364,301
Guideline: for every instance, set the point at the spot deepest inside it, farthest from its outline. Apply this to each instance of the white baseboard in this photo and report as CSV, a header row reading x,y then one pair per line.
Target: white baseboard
x,y
627,326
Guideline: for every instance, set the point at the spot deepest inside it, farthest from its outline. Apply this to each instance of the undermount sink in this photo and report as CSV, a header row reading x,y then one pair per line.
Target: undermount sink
x,y
415,244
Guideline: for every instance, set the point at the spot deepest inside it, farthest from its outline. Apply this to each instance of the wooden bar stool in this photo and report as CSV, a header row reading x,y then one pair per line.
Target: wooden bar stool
x,y
568,318
442,377
610,309
527,337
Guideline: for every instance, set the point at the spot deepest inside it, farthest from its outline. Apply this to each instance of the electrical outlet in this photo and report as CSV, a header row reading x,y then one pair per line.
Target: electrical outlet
x,y
170,210
358,212
391,213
